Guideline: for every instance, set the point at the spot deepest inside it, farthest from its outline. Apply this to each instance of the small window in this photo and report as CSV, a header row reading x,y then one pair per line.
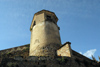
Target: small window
x,y
34,23
49,18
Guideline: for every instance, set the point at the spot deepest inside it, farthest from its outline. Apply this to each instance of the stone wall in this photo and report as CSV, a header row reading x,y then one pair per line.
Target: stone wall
x,y
65,50
18,59
16,51
43,62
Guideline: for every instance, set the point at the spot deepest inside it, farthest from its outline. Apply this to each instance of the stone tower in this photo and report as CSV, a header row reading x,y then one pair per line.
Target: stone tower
x,y
45,37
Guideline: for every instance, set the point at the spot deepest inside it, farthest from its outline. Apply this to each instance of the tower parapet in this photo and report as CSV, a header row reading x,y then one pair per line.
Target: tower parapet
x,y
45,37
43,15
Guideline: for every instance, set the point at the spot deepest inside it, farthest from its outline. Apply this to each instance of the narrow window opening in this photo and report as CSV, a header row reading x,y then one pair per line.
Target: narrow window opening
x,y
49,18
34,23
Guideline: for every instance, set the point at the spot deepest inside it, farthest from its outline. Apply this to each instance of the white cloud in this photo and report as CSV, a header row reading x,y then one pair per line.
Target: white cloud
x,y
89,53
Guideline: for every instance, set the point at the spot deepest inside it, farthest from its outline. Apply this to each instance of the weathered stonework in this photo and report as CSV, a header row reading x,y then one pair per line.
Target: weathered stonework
x,y
35,61
18,59
65,50
45,37
45,47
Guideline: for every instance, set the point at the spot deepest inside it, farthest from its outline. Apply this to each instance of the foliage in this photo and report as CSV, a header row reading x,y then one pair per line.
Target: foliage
x,y
8,53
61,59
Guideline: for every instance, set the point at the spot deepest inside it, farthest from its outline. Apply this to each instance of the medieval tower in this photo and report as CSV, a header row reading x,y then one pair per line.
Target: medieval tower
x,y
45,37
45,48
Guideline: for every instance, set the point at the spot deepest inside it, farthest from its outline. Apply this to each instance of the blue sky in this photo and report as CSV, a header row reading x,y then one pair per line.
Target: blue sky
x,y
79,22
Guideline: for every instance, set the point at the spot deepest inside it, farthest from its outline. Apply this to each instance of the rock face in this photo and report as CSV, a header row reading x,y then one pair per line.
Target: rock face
x,y
45,37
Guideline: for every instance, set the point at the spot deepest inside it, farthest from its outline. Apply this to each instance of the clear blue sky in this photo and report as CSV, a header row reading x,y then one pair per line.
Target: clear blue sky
x,y
79,22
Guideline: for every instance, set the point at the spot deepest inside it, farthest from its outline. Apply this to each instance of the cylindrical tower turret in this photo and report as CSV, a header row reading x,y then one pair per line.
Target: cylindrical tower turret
x,y
45,37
